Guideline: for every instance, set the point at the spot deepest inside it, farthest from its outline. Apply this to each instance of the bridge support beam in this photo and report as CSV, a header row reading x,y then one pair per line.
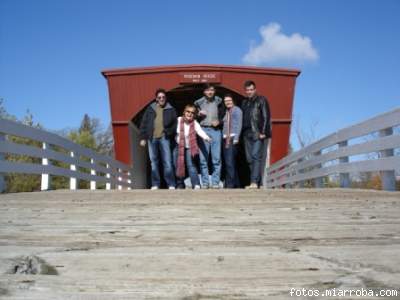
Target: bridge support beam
x,y
108,176
72,180
300,184
119,187
344,178
45,180
129,181
388,178
92,172
318,182
2,180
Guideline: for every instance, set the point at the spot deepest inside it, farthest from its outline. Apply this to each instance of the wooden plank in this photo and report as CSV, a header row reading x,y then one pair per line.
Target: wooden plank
x,y
186,245
28,168
381,164
2,180
387,142
389,119
14,148
21,130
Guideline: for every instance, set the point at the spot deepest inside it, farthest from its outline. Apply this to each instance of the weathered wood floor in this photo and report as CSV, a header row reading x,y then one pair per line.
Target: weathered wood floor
x,y
192,245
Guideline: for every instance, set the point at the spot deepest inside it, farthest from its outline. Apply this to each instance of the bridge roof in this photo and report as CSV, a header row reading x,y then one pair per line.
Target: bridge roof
x,y
201,67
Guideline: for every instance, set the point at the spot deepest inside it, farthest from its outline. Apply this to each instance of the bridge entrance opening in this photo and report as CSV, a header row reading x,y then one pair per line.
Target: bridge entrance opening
x,y
179,97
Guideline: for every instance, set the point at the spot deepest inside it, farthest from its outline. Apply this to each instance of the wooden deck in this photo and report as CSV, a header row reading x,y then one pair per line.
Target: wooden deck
x,y
192,245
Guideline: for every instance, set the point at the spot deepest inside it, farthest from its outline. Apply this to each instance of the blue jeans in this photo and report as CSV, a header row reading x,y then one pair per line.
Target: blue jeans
x,y
231,174
161,148
253,149
190,166
213,148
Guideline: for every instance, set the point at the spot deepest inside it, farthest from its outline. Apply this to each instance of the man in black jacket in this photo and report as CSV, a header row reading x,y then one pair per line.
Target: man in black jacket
x,y
256,129
157,130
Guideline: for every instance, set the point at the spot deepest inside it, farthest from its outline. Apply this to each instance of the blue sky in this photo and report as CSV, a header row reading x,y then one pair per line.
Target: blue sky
x,y
52,52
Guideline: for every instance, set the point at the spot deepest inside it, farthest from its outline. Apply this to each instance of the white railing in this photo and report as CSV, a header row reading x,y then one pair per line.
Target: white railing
x,y
314,162
103,169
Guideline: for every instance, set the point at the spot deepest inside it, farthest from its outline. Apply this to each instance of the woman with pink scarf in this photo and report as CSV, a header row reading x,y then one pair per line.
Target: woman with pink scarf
x,y
187,149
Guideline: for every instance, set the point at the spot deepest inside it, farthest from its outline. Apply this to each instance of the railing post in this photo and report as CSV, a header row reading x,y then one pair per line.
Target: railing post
x,y
292,184
388,178
92,172
108,176
344,178
267,164
265,179
72,180
300,183
45,180
318,182
129,180
119,187
2,181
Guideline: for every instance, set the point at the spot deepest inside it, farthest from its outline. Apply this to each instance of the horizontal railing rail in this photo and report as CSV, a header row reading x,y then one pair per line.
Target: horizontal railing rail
x,y
101,168
309,163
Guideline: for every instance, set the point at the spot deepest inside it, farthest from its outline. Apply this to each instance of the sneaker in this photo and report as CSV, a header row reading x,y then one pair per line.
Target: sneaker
x,y
171,188
252,186
154,188
196,187
215,186
205,187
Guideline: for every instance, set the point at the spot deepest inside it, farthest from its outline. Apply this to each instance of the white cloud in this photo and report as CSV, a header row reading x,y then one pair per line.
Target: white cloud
x,y
278,47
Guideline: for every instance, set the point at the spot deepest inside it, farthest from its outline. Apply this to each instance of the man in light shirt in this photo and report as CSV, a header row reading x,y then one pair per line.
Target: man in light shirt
x,y
211,112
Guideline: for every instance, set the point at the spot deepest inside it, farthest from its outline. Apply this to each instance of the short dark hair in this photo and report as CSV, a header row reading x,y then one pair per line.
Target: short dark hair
x,y
248,83
230,96
208,86
160,90
190,106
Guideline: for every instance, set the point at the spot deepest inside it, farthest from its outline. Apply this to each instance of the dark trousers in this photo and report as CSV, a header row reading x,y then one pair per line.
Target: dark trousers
x,y
231,174
253,148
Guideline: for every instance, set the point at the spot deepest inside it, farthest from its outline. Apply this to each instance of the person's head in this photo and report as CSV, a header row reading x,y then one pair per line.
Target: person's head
x,y
189,112
161,97
209,90
250,88
228,100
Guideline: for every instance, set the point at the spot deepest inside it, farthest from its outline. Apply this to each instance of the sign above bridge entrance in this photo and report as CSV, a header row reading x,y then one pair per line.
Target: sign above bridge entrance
x,y
200,77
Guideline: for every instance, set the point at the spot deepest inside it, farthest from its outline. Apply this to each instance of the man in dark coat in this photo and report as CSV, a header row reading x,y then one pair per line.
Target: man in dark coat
x,y
157,130
256,129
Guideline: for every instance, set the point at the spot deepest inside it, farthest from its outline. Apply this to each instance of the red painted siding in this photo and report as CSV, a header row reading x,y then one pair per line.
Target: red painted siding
x,y
131,89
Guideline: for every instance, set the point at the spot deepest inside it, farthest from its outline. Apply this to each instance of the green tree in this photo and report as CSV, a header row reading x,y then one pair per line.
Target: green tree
x,y
89,134
22,182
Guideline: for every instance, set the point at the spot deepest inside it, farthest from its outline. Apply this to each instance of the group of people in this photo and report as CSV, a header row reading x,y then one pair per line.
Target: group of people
x,y
207,132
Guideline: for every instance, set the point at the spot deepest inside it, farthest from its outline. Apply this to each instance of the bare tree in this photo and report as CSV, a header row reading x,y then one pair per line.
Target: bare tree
x,y
305,136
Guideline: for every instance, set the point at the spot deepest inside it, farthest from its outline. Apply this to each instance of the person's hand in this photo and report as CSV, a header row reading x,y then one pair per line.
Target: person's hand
x,y
202,113
208,139
262,136
215,123
143,143
235,142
